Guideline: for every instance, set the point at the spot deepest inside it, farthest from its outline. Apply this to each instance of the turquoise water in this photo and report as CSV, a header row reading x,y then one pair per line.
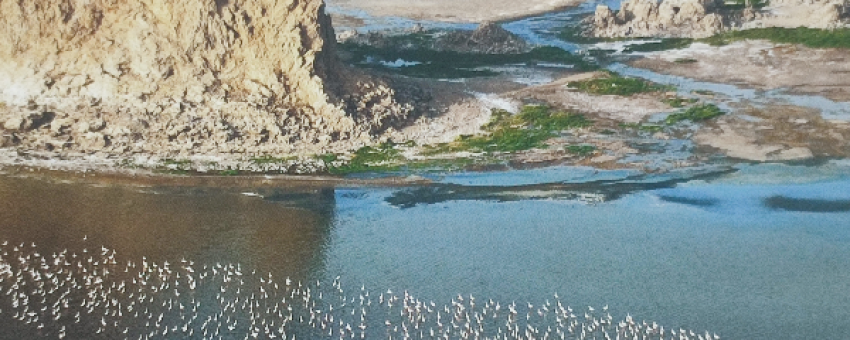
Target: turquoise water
x,y
712,255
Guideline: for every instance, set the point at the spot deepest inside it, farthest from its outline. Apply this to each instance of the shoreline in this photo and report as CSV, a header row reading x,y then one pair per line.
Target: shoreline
x,y
148,178
455,12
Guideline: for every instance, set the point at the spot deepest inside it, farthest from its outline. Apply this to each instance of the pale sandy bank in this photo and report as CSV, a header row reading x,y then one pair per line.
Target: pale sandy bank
x,y
454,10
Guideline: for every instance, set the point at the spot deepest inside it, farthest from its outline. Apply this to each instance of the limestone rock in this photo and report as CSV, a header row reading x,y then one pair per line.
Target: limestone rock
x,y
14,124
648,18
60,125
241,75
704,18
604,17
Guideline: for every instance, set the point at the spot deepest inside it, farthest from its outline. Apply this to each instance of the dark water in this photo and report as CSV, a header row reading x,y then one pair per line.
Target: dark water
x,y
284,234
756,253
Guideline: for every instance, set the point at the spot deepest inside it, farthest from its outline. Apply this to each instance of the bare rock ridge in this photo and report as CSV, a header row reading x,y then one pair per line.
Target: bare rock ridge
x,y
704,18
182,77
489,37
669,18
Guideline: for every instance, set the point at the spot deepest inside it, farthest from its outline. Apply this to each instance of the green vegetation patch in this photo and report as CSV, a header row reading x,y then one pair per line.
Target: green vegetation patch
x,y
703,92
695,113
271,160
685,61
581,150
810,37
542,118
651,128
679,102
509,139
643,127
663,45
384,157
575,33
450,64
615,84
229,173
528,129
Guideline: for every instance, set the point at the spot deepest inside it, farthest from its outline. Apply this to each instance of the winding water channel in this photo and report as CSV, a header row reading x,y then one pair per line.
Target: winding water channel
x,y
743,251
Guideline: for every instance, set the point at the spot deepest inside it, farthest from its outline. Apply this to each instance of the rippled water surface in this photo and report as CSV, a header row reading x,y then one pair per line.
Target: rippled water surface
x,y
757,252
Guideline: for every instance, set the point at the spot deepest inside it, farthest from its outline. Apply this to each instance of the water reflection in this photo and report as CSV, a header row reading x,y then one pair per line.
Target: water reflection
x,y
807,205
592,191
282,234
697,202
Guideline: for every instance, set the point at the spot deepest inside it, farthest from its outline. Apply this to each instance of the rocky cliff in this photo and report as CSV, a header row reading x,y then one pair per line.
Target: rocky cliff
x,y
185,77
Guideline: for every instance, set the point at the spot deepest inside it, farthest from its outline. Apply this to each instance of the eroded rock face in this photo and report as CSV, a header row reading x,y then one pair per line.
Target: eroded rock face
x,y
650,18
704,18
189,76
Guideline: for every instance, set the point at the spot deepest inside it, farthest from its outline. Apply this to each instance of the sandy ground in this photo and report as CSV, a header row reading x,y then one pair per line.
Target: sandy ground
x,y
773,132
464,107
471,11
762,65
776,133
632,109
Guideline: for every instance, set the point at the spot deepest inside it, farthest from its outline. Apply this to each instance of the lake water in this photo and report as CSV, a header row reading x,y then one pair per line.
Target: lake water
x,y
756,252
743,251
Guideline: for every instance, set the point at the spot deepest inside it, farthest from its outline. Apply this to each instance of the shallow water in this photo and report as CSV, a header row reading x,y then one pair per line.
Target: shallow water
x,y
830,110
754,253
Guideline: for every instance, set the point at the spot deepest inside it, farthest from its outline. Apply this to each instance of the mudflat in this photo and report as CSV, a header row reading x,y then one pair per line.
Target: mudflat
x,y
453,10
759,64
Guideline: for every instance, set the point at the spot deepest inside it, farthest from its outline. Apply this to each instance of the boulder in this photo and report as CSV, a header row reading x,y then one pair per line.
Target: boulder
x,y
489,37
15,124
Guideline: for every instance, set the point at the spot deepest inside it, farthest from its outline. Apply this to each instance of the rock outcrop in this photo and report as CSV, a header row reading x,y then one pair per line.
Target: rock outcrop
x,y
182,77
489,37
704,18
650,18
824,14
